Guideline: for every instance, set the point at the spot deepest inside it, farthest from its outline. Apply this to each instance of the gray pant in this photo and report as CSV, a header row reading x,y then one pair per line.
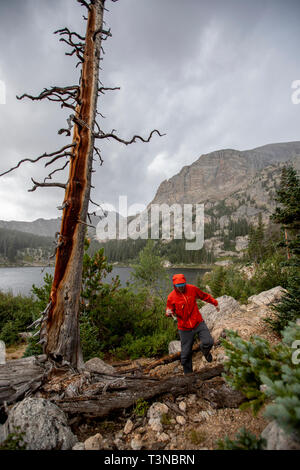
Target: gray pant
x,y
187,340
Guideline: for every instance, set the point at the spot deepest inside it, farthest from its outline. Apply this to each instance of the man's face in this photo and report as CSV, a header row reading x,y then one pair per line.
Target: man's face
x,y
180,288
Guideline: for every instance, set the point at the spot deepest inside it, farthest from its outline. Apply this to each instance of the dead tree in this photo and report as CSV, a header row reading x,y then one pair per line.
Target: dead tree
x,y
59,323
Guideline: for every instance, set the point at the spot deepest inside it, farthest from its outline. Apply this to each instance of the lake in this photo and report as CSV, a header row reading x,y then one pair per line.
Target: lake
x,y
19,280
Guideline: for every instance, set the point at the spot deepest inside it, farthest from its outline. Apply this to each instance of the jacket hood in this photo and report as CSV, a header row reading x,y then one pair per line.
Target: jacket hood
x,y
178,279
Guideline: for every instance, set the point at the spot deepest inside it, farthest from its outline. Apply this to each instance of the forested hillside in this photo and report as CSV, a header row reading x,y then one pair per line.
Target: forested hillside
x,y
20,247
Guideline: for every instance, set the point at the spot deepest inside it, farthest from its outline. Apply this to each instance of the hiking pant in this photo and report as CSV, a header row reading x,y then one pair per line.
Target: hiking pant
x,y
187,340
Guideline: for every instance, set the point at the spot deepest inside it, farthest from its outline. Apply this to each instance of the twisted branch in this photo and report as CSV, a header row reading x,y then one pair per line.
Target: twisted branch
x,y
127,142
57,94
45,155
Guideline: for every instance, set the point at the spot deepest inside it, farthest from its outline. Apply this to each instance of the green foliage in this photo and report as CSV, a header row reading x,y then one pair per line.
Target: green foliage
x,y
120,321
141,407
285,391
216,282
256,241
246,361
196,437
150,272
254,363
288,196
288,309
230,281
288,214
14,441
16,313
13,240
244,440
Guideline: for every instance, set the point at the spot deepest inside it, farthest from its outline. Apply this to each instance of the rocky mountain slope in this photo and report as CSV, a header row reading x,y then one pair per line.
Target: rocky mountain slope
x,y
235,187
218,174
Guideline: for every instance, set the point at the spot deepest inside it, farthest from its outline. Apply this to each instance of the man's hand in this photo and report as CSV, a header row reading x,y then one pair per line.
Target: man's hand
x,y
169,312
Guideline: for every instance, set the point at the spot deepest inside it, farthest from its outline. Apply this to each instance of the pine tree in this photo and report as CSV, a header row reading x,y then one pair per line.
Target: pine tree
x,y
288,215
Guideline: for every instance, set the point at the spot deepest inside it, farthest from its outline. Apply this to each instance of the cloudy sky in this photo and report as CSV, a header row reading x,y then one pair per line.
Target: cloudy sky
x,y
211,74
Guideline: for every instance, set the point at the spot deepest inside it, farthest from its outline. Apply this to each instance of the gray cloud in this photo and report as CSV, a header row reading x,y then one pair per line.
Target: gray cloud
x,y
210,74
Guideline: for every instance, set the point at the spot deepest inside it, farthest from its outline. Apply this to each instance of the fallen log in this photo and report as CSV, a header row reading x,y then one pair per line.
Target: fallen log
x,y
159,362
104,404
20,377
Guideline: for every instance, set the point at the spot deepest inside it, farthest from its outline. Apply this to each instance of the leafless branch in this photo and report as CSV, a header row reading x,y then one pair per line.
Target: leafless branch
x,y
101,31
103,89
69,33
84,3
60,94
84,223
46,185
99,155
49,177
127,142
45,155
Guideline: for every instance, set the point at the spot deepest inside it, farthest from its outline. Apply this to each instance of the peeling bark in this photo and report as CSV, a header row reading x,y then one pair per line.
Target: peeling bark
x,y
20,377
60,329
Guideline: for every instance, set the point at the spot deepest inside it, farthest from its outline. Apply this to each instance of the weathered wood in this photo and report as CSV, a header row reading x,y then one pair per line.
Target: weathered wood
x,y
104,404
60,329
20,377
163,360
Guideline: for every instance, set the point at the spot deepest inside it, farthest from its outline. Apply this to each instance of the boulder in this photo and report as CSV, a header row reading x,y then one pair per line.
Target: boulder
x,y
44,425
268,297
99,367
174,347
79,446
156,410
136,443
128,426
94,442
155,413
277,439
228,305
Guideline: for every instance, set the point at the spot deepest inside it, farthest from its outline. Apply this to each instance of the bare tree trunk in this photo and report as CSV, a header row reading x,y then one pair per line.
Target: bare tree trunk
x,y
60,330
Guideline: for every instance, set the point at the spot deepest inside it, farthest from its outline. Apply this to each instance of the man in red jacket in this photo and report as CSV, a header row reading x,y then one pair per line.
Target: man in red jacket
x,y
182,304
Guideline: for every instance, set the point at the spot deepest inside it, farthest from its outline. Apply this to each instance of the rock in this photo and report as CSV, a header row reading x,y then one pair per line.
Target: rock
x,y
155,424
277,439
174,347
44,425
163,437
94,442
268,297
228,305
191,399
220,394
79,446
98,366
182,406
136,443
241,243
3,432
156,410
128,426
119,444
181,420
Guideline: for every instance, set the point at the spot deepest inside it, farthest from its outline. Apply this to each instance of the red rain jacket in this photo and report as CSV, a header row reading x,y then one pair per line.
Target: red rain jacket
x,y
184,306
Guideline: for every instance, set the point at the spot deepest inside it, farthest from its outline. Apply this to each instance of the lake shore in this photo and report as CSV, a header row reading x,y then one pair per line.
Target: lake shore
x,y
115,264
